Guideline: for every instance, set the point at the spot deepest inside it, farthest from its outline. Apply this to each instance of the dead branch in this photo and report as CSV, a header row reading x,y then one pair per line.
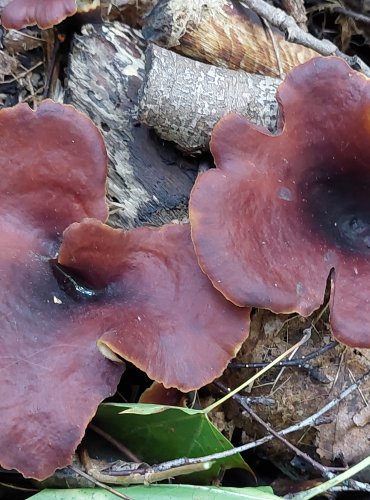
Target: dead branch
x,y
357,16
148,181
223,33
122,473
293,33
183,99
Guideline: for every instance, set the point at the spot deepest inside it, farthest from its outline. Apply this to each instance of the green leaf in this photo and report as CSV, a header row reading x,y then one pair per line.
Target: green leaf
x,y
158,433
161,492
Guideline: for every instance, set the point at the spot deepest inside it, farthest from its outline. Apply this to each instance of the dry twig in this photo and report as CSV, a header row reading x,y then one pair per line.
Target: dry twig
x,y
357,16
247,409
120,447
98,483
301,362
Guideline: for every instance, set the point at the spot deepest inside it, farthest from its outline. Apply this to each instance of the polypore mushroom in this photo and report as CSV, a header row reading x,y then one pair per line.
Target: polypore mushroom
x,y
281,212
18,14
139,294
160,311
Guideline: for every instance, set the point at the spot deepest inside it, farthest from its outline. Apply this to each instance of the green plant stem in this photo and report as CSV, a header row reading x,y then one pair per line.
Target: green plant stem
x,y
306,336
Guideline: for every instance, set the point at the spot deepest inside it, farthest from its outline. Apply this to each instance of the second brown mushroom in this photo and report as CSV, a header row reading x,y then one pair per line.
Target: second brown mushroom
x,y
283,212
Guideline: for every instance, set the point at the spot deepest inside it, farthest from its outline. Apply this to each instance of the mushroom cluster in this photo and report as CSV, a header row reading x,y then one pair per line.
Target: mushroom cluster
x,y
136,295
283,213
277,217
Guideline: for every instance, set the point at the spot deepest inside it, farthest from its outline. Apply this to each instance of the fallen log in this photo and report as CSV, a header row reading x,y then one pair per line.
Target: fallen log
x,y
148,181
223,33
183,99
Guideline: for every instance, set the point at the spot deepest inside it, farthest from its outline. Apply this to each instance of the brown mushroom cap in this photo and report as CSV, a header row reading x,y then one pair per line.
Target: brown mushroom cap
x,y
281,211
157,394
52,376
160,311
54,166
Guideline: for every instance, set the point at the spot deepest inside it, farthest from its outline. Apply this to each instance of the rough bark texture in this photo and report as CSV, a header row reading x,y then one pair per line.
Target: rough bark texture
x,y
183,99
147,178
223,33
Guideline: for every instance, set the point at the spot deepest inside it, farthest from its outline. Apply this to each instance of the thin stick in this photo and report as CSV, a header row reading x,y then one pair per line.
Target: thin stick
x,y
293,33
291,356
25,73
316,465
26,35
121,447
98,483
313,419
359,388
351,13
15,487
275,47
300,362
123,474
306,336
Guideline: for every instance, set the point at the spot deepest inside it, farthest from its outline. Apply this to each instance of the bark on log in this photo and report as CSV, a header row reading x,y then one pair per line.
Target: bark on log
x,y
223,33
150,180
183,99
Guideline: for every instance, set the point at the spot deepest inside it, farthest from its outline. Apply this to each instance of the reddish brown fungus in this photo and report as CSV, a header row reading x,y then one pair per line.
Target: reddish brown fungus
x,y
159,310
280,212
157,394
53,170
139,294
18,14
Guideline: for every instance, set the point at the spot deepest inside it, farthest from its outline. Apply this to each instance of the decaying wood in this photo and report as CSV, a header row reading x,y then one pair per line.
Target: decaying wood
x,y
131,12
148,180
183,99
223,33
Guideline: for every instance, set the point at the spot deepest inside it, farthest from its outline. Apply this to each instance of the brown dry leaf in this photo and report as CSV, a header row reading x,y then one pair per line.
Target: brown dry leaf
x,y
363,417
348,28
298,393
8,65
347,437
